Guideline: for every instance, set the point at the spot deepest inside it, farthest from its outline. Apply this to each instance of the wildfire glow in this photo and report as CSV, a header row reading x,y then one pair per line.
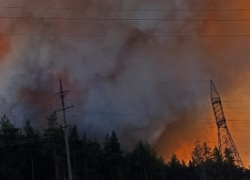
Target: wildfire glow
x,y
132,63
4,46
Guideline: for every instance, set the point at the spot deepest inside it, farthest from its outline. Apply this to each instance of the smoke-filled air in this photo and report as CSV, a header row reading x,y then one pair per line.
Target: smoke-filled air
x,y
140,68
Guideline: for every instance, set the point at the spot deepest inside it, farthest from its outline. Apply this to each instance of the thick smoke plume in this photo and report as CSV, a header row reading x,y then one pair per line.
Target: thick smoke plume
x,y
145,79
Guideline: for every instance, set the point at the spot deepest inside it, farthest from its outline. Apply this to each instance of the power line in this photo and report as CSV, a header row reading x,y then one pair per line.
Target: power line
x,y
125,19
13,143
99,80
142,115
124,36
125,9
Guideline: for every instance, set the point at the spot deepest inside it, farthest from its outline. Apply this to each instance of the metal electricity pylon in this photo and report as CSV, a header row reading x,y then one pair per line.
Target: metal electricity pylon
x,y
225,140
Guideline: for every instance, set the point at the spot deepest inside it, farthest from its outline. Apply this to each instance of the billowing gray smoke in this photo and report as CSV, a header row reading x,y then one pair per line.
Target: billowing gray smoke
x,y
137,77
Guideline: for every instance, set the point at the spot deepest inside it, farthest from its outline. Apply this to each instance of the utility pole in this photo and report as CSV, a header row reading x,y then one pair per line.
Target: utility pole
x,y
61,94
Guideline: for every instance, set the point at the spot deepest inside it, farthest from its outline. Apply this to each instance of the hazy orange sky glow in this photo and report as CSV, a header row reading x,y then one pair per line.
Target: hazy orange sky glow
x,y
140,68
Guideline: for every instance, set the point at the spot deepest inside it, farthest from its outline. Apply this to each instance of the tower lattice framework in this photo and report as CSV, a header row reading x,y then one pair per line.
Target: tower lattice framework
x,y
225,140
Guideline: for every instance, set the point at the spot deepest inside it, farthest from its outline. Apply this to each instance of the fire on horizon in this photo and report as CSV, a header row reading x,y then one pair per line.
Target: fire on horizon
x,y
141,68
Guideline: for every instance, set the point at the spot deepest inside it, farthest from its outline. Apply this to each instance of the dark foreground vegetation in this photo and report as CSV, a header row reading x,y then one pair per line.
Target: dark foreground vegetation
x,y
26,154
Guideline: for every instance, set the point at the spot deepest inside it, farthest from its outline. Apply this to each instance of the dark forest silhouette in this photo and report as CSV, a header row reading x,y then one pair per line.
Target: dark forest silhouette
x,y
28,154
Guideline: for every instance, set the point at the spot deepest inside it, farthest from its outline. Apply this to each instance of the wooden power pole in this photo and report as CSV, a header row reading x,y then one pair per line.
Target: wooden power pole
x,y
61,94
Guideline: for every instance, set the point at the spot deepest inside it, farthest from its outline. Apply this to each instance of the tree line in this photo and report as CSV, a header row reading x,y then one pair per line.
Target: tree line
x,y
28,154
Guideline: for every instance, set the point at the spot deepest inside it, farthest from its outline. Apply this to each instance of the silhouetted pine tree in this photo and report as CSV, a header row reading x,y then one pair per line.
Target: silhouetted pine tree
x,y
26,154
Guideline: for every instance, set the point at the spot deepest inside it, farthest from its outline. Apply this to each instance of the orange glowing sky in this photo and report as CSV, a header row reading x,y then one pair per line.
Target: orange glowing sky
x,y
236,100
133,67
236,108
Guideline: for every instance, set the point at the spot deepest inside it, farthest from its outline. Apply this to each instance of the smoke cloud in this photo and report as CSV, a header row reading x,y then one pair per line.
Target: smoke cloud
x,y
145,79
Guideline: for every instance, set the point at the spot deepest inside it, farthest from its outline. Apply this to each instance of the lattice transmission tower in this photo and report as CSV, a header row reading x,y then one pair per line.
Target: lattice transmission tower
x,y
225,140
